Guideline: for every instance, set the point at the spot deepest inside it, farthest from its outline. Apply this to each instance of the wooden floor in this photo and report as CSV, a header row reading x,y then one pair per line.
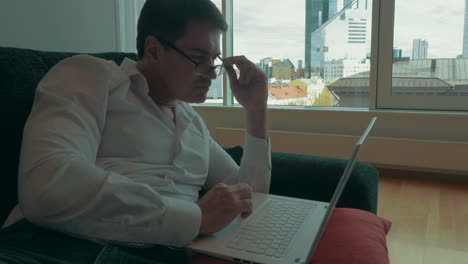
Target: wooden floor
x,y
430,219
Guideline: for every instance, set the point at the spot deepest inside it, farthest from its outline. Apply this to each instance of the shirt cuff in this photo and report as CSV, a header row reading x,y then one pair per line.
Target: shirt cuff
x,y
257,152
181,222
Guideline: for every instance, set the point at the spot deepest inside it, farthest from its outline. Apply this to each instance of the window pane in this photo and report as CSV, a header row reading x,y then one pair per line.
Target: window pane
x,y
215,94
327,66
430,55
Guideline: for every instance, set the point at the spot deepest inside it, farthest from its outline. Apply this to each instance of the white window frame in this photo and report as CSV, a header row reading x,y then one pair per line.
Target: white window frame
x,y
126,18
383,19
228,47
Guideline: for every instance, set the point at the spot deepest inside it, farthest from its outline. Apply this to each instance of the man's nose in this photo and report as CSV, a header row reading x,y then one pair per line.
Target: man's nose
x,y
212,74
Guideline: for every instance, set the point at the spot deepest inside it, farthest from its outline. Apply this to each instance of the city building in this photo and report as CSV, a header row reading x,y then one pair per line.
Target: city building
x,y
345,36
216,89
316,93
266,64
317,12
343,68
397,53
300,74
420,47
286,91
430,77
347,3
283,70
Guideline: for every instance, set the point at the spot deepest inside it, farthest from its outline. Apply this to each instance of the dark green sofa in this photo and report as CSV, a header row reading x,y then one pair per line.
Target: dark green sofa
x,y
303,176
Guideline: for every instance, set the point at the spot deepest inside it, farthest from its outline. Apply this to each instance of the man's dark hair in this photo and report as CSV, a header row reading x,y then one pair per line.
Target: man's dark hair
x,y
168,18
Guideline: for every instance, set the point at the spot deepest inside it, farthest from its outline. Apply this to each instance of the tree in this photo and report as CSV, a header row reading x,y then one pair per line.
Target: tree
x,y
325,98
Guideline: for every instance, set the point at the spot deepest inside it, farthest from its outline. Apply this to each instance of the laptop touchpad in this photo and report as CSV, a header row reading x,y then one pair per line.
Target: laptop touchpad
x,y
230,229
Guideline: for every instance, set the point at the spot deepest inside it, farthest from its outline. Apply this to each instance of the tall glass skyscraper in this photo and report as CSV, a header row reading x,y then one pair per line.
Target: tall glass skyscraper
x,y
316,14
332,7
347,3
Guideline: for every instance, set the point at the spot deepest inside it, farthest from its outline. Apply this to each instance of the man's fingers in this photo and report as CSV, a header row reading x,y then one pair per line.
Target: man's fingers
x,y
248,70
243,190
246,208
240,61
231,74
246,76
253,75
245,215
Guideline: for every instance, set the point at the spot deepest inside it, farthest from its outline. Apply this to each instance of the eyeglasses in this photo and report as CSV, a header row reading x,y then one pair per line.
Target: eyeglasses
x,y
202,69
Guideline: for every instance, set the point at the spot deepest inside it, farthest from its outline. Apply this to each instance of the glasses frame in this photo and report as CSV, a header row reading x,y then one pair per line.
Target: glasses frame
x,y
219,69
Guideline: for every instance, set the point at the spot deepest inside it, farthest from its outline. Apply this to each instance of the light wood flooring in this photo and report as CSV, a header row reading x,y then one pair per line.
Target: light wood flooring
x,y
430,218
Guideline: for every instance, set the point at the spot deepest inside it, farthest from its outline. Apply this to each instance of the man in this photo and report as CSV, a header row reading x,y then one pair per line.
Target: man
x,y
115,154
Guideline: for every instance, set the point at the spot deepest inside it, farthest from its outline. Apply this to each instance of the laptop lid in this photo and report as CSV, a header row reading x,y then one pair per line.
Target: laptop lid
x,y
339,189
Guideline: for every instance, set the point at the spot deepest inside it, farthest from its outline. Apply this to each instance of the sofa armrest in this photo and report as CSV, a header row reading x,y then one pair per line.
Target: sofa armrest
x,y
315,178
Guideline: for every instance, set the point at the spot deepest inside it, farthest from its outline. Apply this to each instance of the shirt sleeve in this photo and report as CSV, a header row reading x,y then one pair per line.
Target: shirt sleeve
x,y
60,186
255,167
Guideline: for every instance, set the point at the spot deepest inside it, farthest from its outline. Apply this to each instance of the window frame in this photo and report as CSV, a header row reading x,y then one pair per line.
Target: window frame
x,y
380,97
126,17
383,18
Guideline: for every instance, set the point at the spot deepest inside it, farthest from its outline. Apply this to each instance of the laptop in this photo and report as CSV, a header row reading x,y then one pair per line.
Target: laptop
x,y
281,229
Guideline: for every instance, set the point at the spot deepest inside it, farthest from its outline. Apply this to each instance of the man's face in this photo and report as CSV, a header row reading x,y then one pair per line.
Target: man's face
x,y
200,42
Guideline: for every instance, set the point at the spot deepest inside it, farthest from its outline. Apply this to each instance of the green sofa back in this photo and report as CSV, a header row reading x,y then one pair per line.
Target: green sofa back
x,y
316,178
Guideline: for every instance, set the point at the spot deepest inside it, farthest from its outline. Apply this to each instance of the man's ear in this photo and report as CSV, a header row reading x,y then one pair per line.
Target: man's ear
x,y
152,47
154,52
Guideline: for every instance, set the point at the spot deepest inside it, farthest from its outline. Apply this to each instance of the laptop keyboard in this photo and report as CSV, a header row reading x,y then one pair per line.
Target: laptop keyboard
x,y
273,229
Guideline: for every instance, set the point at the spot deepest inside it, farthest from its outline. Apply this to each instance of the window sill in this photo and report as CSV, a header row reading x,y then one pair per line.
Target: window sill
x,y
340,109
428,140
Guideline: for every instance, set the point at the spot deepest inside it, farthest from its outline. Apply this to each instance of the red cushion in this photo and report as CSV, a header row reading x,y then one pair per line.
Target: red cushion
x,y
351,236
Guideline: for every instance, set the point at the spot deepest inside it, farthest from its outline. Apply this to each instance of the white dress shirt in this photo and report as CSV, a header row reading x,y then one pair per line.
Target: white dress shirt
x,y
101,161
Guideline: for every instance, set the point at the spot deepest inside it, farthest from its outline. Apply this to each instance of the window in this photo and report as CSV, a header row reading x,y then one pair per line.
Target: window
x,y
428,56
337,35
215,94
127,13
418,50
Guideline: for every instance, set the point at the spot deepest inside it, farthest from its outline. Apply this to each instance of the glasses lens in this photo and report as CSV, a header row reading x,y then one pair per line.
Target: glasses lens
x,y
219,70
217,61
205,69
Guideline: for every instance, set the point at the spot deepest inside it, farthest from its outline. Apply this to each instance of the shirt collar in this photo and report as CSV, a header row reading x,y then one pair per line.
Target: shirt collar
x,y
129,67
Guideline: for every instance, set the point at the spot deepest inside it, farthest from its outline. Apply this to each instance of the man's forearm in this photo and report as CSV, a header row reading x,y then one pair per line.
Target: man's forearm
x,y
257,122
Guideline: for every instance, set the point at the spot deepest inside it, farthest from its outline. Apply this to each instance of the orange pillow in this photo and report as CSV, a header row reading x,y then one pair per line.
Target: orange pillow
x,y
351,236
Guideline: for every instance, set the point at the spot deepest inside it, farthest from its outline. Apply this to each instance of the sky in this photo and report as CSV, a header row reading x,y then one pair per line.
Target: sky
x,y
439,22
277,28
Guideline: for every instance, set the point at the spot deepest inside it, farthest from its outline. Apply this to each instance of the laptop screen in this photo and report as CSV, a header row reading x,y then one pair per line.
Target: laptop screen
x,y
341,185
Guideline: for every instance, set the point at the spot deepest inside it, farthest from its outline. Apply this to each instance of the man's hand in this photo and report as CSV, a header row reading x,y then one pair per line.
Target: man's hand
x,y
251,91
222,204
251,88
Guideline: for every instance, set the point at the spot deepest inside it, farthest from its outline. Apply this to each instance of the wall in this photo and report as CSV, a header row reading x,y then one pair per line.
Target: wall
x,y
58,25
428,141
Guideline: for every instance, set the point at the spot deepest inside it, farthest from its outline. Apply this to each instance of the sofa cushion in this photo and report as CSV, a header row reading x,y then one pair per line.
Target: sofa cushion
x,y
351,236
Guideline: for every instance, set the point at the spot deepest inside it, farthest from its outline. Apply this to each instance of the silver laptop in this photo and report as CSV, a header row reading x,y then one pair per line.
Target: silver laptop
x,y
280,230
